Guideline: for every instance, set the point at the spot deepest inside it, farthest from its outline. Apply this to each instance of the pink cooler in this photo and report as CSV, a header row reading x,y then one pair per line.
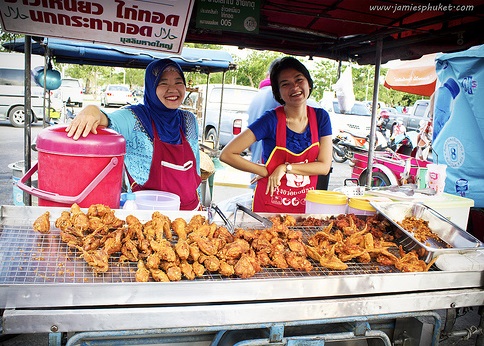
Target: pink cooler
x,y
87,171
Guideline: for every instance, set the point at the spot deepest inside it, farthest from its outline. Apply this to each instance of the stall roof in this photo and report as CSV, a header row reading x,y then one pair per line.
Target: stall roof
x,y
84,53
349,29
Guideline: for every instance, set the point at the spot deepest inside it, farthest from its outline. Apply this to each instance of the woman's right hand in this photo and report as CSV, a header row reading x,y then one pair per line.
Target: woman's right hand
x,y
88,119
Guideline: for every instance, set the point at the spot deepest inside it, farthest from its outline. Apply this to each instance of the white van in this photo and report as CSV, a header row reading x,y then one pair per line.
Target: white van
x,y
12,90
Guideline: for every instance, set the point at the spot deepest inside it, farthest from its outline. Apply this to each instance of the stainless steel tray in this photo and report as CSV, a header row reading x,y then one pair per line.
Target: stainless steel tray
x,y
453,239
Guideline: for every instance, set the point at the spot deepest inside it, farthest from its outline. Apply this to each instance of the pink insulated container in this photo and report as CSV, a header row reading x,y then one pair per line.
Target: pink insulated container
x,y
86,171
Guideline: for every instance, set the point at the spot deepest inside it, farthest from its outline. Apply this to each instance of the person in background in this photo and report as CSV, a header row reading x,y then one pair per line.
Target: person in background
x,y
162,151
296,141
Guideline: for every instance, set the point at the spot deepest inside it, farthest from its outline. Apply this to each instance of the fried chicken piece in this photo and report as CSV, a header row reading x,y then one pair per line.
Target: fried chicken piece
x,y
164,221
204,244
113,242
328,259
198,269
234,250
70,239
164,250
245,234
243,268
42,223
135,227
298,262
279,260
80,221
261,245
91,242
187,270
223,233
64,221
194,252
264,259
174,273
202,231
226,269
211,263
179,226
182,249
129,251
297,247
142,274
97,259
159,275
153,261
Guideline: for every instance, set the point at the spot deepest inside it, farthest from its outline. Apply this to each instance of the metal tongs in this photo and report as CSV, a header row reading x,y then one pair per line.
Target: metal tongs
x,y
265,221
224,218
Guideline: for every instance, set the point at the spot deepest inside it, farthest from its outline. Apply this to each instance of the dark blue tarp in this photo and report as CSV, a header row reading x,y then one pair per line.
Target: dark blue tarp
x,y
85,53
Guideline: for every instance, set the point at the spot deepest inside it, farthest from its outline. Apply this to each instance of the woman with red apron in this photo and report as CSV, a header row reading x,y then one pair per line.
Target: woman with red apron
x,y
296,141
162,150
291,193
173,168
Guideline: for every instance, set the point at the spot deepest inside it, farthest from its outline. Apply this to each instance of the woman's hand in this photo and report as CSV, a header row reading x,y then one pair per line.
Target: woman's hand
x,y
274,180
88,119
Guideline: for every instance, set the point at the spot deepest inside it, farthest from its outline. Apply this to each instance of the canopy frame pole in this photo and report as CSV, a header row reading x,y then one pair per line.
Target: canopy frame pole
x,y
204,138
374,109
27,198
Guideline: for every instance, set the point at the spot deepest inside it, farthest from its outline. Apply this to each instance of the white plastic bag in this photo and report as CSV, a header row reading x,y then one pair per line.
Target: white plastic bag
x,y
344,91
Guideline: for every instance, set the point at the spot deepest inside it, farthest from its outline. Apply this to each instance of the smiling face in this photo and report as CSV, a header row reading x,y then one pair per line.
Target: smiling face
x,y
293,86
171,89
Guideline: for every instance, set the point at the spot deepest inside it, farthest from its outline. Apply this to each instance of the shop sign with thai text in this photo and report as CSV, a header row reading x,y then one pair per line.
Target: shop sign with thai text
x,y
159,25
229,15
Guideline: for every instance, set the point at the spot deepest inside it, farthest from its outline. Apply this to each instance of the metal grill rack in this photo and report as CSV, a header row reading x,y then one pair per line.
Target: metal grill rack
x,y
30,257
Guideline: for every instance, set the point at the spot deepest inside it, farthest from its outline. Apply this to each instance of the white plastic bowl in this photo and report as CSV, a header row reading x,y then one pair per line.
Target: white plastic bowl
x,y
157,200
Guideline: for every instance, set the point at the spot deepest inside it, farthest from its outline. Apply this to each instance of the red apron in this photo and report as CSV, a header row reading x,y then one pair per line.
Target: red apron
x,y
290,196
173,169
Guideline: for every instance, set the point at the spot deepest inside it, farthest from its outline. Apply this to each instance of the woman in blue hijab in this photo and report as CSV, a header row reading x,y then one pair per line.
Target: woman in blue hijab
x,y
162,151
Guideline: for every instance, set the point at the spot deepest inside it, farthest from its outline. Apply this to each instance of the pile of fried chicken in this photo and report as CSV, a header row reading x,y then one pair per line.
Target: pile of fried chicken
x,y
169,250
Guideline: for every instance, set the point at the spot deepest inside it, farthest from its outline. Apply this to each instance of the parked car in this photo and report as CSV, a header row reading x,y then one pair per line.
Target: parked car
x,y
420,111
357,119
12,89
72,92
116,94
234,117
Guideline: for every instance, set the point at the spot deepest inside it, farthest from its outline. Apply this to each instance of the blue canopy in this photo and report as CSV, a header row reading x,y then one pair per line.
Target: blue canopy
x,y
85,53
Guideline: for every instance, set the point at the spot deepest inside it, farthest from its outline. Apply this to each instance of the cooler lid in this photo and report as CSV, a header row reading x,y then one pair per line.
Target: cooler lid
x,y
107,142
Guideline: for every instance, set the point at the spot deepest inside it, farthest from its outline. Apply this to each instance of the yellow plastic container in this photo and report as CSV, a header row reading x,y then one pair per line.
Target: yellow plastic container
x,y
360,205
326,202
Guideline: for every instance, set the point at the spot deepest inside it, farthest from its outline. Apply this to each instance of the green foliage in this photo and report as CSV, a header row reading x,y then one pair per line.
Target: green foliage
x,y
250,70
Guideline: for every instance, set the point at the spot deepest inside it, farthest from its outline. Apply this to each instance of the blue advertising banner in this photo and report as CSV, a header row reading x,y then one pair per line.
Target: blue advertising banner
x,y
459,122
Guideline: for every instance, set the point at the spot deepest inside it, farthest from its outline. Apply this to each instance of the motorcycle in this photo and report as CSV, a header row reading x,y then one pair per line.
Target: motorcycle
x,y
346,144
399,140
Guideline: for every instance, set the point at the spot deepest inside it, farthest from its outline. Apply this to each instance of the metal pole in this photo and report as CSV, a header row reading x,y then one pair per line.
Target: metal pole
x,y
217,142
204,103
376,83
27,114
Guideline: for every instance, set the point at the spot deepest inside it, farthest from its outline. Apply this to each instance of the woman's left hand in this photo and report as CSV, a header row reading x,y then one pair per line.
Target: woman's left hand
x,y
274,180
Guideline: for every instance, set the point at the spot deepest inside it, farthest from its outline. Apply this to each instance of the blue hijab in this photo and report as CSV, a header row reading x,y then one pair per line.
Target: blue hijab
x,y
166,120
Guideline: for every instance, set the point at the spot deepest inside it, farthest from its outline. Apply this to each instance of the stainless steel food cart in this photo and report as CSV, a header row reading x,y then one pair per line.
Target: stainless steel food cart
x,y
46,289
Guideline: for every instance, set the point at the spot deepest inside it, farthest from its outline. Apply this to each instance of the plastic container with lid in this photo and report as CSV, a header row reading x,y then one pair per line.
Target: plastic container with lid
x,y
85,171
326,202
360,205
157,200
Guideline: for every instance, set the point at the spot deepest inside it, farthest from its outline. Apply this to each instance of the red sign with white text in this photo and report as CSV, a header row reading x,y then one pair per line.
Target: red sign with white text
x,y
159,25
